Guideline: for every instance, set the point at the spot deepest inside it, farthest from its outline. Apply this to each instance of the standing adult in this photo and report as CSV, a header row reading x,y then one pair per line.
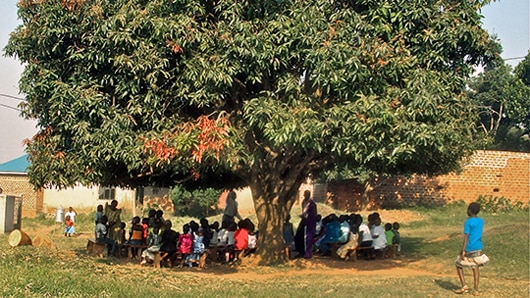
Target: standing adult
x,y
114,219
231,208
309,213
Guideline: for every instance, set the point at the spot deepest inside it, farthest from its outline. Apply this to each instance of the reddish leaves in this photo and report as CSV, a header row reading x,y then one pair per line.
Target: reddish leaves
x,y
209,136
175,48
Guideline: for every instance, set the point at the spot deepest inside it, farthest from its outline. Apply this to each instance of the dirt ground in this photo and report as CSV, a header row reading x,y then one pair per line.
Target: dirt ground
x,y
400,265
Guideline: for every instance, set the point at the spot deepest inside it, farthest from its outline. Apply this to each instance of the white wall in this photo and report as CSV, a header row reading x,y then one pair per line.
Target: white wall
x,y
84,198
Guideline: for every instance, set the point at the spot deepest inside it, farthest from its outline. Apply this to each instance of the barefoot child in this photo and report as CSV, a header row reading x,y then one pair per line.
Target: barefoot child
x,y
69,226
471,255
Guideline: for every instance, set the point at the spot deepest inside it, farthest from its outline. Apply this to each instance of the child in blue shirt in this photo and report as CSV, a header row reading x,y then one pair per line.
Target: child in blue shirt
x,y
471,255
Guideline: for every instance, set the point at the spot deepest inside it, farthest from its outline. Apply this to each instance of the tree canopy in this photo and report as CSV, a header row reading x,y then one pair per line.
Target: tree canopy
x,y
262,93
503,101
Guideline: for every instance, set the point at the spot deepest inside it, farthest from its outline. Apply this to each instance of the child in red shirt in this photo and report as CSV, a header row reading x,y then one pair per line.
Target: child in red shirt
x,y
69,226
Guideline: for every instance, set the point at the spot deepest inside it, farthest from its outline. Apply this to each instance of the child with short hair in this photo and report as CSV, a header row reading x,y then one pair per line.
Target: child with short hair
x,y
389,234
121,234
185,240
198,249
102,236
378,235
97,216
222,235
214,228
69,226
145,227
137,232
154,242
471,255
230,241
288,236
397,237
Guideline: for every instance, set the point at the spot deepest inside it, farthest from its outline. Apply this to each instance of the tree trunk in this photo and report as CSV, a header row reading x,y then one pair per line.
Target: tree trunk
x,y
271,215
271,211
274,183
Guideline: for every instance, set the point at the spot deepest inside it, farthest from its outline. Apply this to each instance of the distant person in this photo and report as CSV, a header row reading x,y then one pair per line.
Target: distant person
x,y
136,233
231,208
389,234
153,243
471,255
332,233
169,239
309,213
99,214
344,228
102,237
198,249
160,222
69,229
241,236
378,236
344,251
214,228
365,236
288,235
397,238
72,213
185,240
114,219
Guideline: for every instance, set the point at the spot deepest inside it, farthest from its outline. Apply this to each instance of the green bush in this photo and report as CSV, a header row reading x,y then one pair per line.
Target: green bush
x,y
197,203
494,204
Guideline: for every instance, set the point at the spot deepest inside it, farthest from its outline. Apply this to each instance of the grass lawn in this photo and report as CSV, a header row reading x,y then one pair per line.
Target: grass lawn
x,y
431,239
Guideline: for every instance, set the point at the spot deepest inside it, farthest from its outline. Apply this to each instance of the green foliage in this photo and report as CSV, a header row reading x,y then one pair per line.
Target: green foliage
x,y
195,203
495,204
120,89
503,101
376,85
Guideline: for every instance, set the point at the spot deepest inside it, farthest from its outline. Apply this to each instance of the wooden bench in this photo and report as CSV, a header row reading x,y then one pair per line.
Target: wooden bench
x,y
134,251
333,247
95,248
391,250
359,250
161,256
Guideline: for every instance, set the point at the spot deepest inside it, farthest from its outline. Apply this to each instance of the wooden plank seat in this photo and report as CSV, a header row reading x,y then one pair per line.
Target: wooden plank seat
x,y
134,251
161,258
95,248
333,247
391,251
367,250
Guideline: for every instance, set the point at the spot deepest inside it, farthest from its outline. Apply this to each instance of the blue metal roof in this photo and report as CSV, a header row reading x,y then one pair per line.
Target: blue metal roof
x,y
17,165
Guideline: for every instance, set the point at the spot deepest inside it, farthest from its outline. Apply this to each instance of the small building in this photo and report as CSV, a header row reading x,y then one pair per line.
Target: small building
x,y
14,181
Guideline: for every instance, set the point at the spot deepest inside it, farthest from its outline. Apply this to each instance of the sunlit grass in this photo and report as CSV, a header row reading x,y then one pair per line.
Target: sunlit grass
x,y
426,268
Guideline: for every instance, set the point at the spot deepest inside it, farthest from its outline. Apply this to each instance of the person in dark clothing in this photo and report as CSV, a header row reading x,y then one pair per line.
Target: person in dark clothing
x,y
309,213
169,243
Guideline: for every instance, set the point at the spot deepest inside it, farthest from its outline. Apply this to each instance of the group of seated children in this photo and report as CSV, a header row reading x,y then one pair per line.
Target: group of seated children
x,y
235,239
188,248
348,232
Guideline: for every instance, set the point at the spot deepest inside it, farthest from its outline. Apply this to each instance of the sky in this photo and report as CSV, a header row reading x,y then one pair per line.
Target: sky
x,y
509,19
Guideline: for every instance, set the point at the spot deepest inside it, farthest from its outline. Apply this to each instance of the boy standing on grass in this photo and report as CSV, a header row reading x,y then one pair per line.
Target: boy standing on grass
x,y
471,255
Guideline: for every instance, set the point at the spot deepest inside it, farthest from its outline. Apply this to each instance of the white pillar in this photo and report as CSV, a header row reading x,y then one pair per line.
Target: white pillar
x,y
7,213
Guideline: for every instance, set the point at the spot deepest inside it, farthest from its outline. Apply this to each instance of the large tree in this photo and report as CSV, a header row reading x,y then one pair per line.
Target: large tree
x,y
503,101
262,93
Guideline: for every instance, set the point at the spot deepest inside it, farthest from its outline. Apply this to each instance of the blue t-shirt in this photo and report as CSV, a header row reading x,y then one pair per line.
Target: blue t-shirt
x,y
473,227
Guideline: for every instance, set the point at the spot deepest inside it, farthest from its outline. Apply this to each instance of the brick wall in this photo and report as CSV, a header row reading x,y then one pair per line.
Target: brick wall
x,y
495,173
19,186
